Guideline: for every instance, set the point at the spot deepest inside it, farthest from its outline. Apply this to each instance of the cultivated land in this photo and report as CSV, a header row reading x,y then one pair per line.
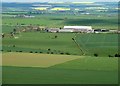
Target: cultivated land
x,y
102,44
35,60
97,22
41,42
78,70
89,44
38,68
37,57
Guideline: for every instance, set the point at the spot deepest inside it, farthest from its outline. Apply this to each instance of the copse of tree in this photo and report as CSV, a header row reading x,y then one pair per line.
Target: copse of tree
x,y
22,24
20,51
12,34
117,55
40,52
14,46
3,35
73,39
110,55
9,51
96,55
31,52
67,53
56,36
52,53
49,49
14,30
47,30
61,53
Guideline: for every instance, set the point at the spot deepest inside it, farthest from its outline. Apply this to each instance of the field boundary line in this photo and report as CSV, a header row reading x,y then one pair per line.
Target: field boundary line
x,y
83,53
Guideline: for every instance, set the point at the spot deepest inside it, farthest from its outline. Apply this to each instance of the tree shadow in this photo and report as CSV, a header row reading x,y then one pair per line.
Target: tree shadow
x,y
56,18
89,21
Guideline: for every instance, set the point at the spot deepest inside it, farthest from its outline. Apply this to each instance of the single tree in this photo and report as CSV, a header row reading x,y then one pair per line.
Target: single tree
x,y
96,55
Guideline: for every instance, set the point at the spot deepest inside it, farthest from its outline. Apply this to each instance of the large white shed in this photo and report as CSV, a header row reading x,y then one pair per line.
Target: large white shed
x,y
79,28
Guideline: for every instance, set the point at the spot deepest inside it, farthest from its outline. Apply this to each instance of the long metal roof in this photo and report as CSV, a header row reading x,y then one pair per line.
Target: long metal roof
x,y
77,27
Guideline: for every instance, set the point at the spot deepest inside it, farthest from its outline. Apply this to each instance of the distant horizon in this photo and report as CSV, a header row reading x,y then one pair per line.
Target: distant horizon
x,y
55,1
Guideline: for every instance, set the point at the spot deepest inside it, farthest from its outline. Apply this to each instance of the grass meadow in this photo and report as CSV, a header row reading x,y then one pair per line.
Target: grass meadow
x,y
82,70
37,42
101,44
97,22
36,68
41,58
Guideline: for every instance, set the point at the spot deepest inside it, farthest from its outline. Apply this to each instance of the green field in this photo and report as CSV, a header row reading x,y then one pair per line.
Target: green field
x,y
41,42
7,28
101,44
44,59
90,44
83,70
103,22
20,75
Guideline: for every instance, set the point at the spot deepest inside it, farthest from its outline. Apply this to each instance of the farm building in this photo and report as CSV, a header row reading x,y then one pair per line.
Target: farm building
x,y
65,30
54,30
114,31
101,31
79,28
86,29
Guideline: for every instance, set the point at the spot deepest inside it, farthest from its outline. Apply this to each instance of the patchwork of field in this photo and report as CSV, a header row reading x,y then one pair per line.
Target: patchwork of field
x,y
97,22
34,60
54,58
101,44
90,63
89,44
75,70
41,42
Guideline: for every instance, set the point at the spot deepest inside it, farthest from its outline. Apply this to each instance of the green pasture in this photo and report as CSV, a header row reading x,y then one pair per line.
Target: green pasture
x,y
19,75
41,42
101,44
38,45
7,29
97,22
90,63
87,70
89,44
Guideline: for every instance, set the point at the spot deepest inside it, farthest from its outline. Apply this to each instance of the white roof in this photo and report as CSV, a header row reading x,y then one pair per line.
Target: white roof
x,y
65,30
77,27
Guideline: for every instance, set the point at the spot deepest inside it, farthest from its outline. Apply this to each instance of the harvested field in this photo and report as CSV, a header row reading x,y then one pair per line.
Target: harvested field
x,y
35,60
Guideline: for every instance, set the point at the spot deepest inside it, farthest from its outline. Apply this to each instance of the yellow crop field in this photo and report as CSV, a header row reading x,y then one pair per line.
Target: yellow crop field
x,y
60,9
34,60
